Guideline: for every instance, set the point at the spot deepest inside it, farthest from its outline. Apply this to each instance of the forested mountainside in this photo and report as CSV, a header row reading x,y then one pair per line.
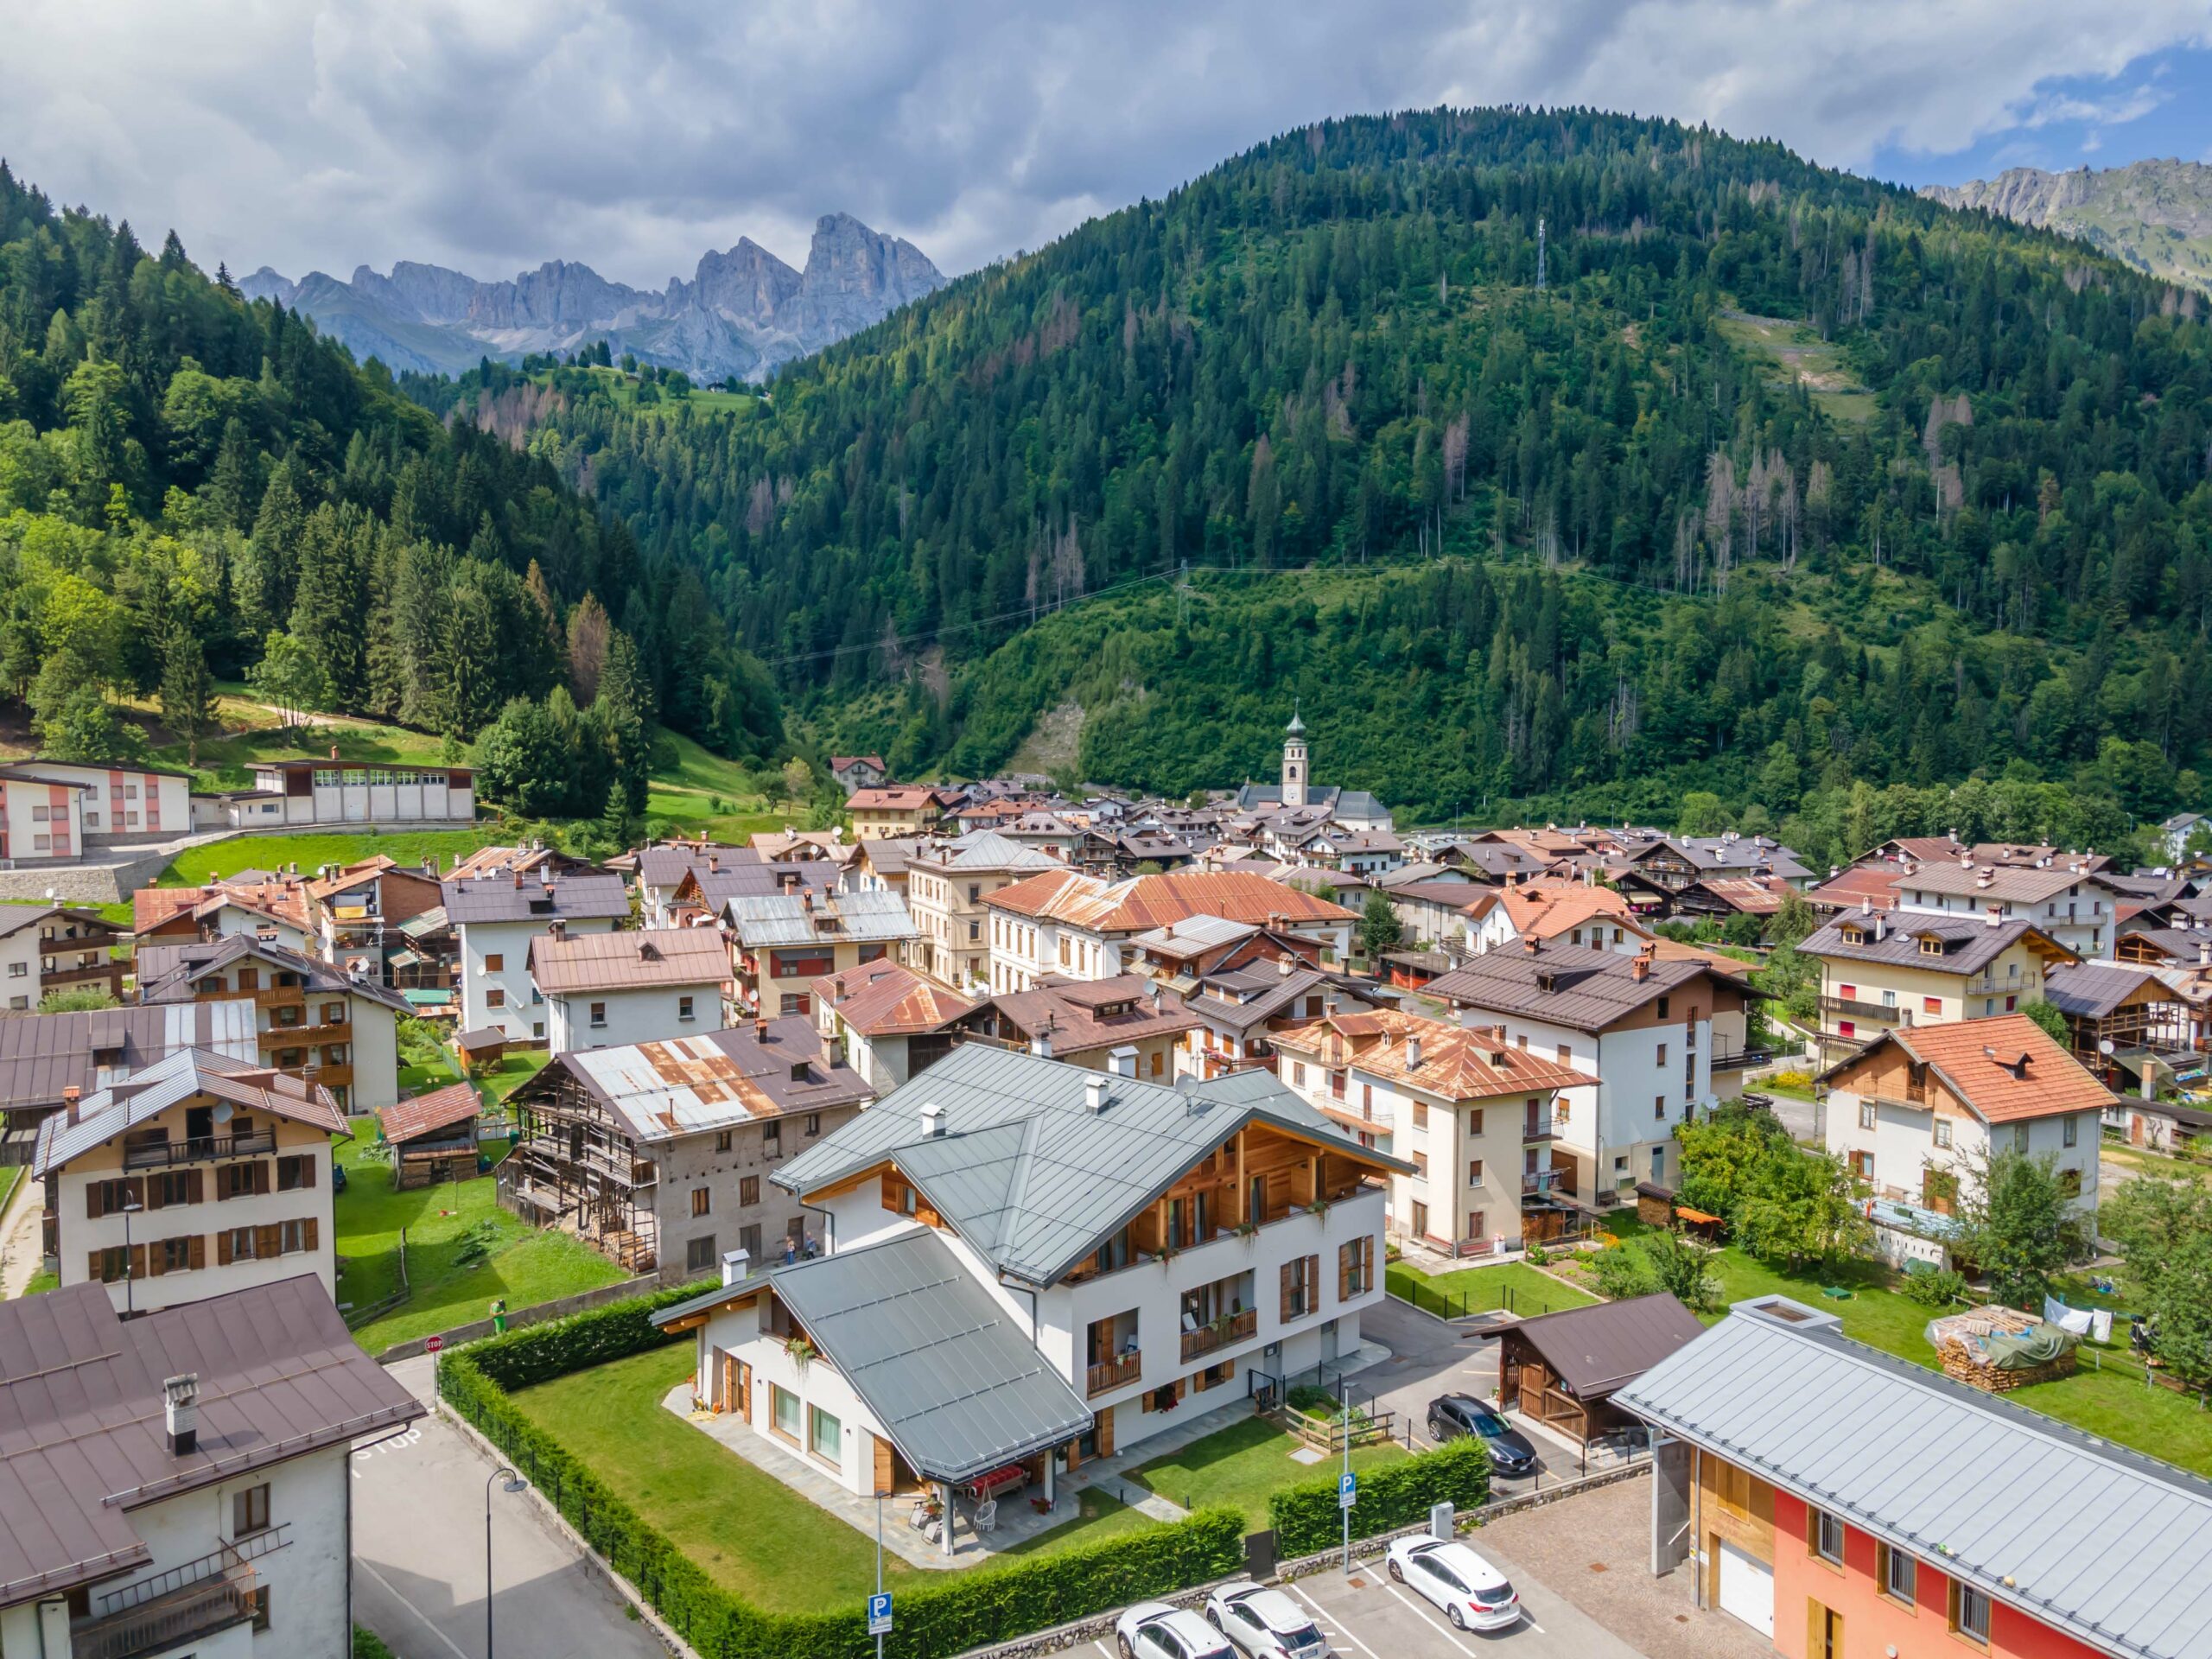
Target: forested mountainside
x,y
1778,481
194,487
2155,215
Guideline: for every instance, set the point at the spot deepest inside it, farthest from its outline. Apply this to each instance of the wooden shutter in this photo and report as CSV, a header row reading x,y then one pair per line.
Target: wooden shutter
x,y
260,1176
267,1241
307,1171
314,1232
95,1202
154,1192
92,1270
1106,1431
1344,1270
198,1256
1367,1279
1283,1312
223,1247
137,1261
157,1265
883,1470
193,1190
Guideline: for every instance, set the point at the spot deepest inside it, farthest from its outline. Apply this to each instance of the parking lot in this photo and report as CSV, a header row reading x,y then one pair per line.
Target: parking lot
x,y
1367,1617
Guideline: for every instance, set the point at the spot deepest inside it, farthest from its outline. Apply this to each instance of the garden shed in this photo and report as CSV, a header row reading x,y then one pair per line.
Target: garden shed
x,y
1562,1370
433,1136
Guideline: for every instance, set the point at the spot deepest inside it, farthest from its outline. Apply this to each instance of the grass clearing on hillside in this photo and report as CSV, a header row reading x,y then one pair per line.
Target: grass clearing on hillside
x,y
1803,356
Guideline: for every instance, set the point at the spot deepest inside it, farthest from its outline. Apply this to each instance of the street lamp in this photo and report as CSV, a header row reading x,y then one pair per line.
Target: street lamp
x,y
131,1207
514,1483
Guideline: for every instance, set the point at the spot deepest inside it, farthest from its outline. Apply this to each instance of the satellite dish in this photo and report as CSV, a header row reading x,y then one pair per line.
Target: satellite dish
x,y
223,1110
2105,1045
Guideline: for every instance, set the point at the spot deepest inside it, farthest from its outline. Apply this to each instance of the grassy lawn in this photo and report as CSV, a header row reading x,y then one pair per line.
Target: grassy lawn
x,y
745,1530
1514,1285
9,1177
42,1281
2138,1160
198,866
1242,1464
1099,1516
496,1083
462,1250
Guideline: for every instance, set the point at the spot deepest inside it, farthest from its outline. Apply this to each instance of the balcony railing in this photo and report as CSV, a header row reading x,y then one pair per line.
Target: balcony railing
x,y
1741,1059
1236,1327
187,1614
1542,1127
1852,1005
1117,1372
1540,1180
199,1149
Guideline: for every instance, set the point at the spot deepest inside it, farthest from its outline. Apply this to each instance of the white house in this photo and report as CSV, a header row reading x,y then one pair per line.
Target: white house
x,y
42,819
2063,895
333,790
1643,1028
105,803
1078,1254
189,1472
1565,912
496,918
201,1174
1918,1109
613,989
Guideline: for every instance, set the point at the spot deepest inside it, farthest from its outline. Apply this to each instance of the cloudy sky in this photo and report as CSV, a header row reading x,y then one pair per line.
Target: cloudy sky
x,y
490,135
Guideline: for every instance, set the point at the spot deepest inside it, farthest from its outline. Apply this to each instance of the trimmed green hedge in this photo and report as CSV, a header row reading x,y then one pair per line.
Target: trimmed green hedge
x,y
948,1614
1307,1519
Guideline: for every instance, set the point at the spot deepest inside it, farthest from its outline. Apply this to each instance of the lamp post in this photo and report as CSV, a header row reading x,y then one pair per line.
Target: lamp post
x,y
131,1207
514,1483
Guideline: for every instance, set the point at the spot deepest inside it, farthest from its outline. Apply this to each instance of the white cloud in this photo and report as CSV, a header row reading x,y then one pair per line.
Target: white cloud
x,y
493,134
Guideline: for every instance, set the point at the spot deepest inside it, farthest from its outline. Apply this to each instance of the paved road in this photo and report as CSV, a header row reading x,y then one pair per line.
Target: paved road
x,y
418,1556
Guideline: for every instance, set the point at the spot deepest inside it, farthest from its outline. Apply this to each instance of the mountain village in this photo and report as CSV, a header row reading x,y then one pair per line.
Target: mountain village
x,y
1015,1178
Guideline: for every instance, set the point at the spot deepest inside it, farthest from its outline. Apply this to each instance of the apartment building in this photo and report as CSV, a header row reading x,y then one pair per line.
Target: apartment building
x,y
309,1017
659,872
2065,897
947,882
181,1484
606,990
89,805
899,809
656,1154
201,1174
888,1022
1094,1251
1472,1114
780,944
42,819
1884,970
1841,1501
47,1060
1128,1024
1920,1109
355,911
1643,1028
57,948
335,791
1078,927
496,918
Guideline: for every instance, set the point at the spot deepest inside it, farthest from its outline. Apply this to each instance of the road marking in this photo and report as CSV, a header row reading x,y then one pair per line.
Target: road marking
x,y
1427,1620
1343,1625
370,1568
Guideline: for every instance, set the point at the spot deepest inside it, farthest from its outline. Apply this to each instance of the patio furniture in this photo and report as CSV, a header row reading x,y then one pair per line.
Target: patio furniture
x,y
987,1515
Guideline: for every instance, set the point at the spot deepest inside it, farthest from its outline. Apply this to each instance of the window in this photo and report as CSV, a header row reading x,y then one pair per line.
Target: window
x,y
748,1189
701,1200
1475,1123
699,1252
1420,1114
293,1236
258,1598
814,1122
722,1139
1420,1165
2019,1137
2072,1131
1900,1576
683,1008
1862,1165
1659,1106
748,1240
1969,1613
1825,1534
1662,1007
1931,1005
794,1002
1846,1028
1474,1172
241,1180
1865,1113
772,1140
598,1016
495,963
295,1174
1662,1053
495,998
18,970
1299,1289
825,1436
1943,1131
250,1511
784,1413
2070,1183
1566,1055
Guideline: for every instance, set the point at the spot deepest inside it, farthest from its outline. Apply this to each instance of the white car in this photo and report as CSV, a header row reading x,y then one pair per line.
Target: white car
x,y
1474,1595
1152,1630
1264,1623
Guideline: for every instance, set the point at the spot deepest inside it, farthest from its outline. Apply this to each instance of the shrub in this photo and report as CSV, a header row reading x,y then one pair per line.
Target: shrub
x,y
1307,1519
956,1611
1937,1288
1622,1272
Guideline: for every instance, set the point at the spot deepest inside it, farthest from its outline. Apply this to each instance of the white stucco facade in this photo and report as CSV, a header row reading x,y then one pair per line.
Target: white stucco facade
x,y
604,1019
495,983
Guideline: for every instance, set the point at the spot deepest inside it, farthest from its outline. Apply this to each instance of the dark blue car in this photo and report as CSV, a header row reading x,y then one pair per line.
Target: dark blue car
x,y
1453,1415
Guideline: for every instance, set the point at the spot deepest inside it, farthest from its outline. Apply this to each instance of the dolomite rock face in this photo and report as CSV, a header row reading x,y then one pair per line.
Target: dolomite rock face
x,y
2154,215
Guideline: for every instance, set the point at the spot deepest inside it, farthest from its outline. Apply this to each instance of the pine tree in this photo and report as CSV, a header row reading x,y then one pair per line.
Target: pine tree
x,y
187,690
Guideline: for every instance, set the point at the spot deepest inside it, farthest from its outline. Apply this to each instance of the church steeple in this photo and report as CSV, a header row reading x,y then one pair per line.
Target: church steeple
x,y
1294,774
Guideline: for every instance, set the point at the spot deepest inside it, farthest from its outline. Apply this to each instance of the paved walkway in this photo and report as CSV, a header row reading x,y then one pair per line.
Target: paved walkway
x,y
418,1552
20,1241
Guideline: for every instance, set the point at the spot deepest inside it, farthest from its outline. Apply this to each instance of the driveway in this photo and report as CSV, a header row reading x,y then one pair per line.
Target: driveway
x,y
418,1557
1367,1617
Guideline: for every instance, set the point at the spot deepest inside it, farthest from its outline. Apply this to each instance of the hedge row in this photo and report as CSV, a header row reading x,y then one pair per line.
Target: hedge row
x,y
1307,1521
950,1613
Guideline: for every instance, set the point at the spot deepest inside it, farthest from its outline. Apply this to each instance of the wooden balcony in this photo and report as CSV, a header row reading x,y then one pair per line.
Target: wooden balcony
x,y
335,1031
1116,1373
199,1149
274,996
1221,1333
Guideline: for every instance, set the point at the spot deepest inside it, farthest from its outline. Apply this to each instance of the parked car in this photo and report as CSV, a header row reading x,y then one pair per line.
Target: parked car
x,y
1264,1623
1153,1630
1474,1595
1453,1415
337,1176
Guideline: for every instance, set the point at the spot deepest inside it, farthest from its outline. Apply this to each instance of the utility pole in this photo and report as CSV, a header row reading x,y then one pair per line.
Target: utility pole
x,y
1540,256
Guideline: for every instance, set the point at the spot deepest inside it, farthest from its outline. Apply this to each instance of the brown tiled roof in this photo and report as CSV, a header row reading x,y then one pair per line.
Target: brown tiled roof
x,y
1148,902
1548,909
2005,1067
893,797
1862,883
1093,1013
629,962
1457,1062
1565,984
881,999
410,1120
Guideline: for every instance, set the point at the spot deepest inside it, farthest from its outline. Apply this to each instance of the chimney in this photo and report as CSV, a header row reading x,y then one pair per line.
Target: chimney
x,y
1639,969
1881,928
334,751
1041,1043
735,1265
558,930
760,1029
1155,996
180,1412
1994,914
1093,1094
516,874
1123,1061
1413,1050
1283,967
1529,944
714,863
72,1094
932,1120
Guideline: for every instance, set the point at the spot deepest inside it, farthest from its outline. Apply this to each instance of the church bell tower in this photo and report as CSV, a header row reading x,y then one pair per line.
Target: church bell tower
x,y
1294,774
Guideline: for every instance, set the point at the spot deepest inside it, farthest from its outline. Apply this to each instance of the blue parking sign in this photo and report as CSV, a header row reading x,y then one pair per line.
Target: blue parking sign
x,y
879,1614
1347,1489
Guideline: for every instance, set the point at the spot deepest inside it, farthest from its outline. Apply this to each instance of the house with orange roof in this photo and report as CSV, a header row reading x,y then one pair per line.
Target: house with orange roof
x,y
1078,927
270,906
1572,912
899,809
1919,1107
1472,1112
887,1022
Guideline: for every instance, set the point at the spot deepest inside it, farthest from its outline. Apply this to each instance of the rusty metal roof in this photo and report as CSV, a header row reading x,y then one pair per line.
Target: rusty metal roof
x,y
410,1120
881,999
629,961
660,1091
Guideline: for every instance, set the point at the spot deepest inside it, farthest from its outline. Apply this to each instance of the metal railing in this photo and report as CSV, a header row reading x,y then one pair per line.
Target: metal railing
x,y
1542,1127
197,1149
196,1611
1236,1327
1115,1373
1540,1180
1852,1005
251,1547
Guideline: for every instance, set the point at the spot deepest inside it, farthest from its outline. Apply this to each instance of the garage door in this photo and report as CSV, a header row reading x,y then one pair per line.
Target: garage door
x,y
1747,1589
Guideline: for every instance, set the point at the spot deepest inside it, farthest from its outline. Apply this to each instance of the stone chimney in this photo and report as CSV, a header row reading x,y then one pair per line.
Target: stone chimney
x,y
180,1412
1094,1093
1639,969
1413,1050
735,1265
932,1121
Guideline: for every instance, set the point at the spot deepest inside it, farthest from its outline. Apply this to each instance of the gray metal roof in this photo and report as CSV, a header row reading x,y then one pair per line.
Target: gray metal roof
x,y
788,919
536,896
1970,942
1026,1171
2111,1547
180,1075
2094,989
955,1381
168,973
42,1054
1566,984
983,849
